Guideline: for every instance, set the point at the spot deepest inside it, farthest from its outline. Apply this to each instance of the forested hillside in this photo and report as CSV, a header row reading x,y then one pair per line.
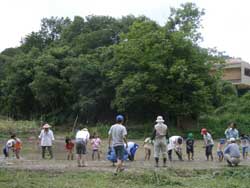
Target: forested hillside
x,y
97,66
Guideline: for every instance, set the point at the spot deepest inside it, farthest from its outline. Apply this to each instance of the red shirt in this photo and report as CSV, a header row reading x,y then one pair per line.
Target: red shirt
x,y
70,146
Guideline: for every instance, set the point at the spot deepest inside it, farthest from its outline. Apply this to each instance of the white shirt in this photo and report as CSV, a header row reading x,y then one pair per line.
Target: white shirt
x,y
208,139
46,137
82,135
173,142
10,143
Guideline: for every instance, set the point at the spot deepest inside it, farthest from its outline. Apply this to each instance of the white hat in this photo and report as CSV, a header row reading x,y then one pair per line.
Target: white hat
x,y
232,139
85,129
46,126
159,119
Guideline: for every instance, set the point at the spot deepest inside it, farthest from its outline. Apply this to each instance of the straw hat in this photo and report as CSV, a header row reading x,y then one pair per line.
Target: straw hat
x,y
46,126
159,119
85,129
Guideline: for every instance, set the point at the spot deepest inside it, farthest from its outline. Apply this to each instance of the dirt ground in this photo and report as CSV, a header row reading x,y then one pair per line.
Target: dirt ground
x,y
31,159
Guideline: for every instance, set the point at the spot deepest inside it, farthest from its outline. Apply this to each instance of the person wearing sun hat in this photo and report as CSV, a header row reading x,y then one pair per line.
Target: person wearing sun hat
x,y
209,143
46,138
232,153
160,140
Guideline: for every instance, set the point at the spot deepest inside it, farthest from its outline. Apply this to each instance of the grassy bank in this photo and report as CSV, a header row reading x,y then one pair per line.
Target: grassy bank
x,y
19,127
225,178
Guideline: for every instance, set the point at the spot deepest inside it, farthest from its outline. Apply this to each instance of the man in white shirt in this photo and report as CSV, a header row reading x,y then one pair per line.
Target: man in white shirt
x,y
46,138
82,138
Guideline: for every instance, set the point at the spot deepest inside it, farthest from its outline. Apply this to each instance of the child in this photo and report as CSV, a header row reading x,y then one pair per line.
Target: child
x,y
220,148
244,144
147,147
96,143
9,146
69,148
17,146
190,146
209,143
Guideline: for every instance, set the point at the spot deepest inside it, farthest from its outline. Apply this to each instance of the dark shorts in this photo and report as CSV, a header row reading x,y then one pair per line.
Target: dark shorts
x,y
119,152
190,149
244,150
220,154
81,148
5,152
209,149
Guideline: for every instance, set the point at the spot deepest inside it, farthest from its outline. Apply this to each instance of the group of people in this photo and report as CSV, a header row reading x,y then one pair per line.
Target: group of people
x,y
227,149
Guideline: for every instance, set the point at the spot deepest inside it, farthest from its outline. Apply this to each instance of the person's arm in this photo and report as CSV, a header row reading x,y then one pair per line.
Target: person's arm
x,y
52,135
124,137
227,149
125,140
153,135
110,136
109,140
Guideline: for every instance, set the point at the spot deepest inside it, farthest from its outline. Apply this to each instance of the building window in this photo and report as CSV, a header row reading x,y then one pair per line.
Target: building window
x,y
247,72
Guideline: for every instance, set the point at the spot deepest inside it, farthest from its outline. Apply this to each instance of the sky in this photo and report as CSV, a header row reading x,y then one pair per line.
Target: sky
x,y
225,23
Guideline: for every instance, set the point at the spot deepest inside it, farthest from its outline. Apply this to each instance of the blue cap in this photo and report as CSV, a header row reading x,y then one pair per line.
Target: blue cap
x,y
119,118
222,141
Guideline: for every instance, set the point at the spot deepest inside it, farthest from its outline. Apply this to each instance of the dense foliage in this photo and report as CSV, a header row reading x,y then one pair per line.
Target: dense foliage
x,y
97,66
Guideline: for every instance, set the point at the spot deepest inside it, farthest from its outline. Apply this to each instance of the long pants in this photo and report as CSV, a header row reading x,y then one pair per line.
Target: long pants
x,y
44,150
177,153
232,160
160,146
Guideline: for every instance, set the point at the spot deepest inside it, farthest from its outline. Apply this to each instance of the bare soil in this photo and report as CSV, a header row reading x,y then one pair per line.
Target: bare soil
x,y
31,160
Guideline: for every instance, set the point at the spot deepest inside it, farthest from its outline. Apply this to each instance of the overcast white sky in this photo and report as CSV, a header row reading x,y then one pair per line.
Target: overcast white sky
x,y
226,23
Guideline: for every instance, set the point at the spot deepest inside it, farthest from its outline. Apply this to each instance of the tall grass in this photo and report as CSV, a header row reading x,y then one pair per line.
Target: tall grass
x,y
8,127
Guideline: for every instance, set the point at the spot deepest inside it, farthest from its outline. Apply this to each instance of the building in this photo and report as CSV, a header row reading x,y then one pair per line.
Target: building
x,y
237,72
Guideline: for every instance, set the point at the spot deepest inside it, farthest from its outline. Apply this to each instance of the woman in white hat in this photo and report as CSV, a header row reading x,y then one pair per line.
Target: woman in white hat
x,y
160,142
46,138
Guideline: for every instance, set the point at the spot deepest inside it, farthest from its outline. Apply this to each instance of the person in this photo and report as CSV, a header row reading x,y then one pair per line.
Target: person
x,y
117,134
46,139
190,146
232,153
82,138
147,148
175,143
220,149
227,134
96,144
131,150
17,146
69,146
244,145
208,142
112,157
9,146
160,141
233,132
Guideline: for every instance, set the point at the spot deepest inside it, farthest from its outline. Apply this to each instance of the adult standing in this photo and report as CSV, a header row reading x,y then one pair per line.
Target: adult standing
x,y
232,153
233,132
160,141
46,138
117,134
82,138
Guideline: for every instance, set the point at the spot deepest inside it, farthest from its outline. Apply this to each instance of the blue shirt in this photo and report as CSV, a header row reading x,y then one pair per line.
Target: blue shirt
x,y
233,150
